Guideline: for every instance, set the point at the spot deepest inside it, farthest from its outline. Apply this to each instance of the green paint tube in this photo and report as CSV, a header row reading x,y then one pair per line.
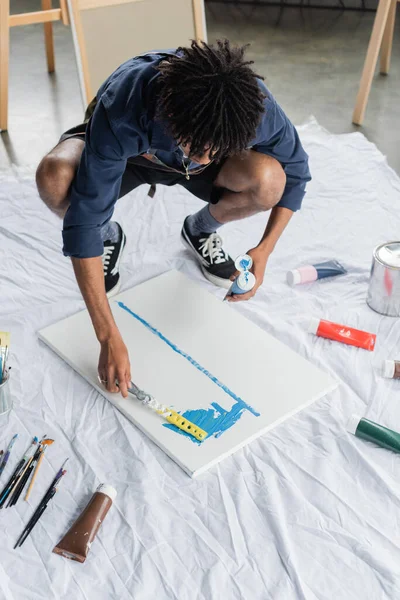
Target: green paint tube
x,y
373,432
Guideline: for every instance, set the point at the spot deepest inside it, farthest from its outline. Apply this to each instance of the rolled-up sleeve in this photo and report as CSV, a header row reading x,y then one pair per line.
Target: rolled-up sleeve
x,y
277,137
95,188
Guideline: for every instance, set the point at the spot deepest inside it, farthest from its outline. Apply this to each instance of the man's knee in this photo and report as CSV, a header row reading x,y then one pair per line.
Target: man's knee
x,y
268,183
54,176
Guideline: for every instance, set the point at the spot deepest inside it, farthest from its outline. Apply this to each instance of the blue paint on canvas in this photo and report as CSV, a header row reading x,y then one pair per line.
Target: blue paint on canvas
x,y
214,420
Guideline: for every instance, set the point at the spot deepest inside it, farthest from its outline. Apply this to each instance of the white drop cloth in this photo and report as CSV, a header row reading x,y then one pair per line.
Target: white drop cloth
x,y
307,511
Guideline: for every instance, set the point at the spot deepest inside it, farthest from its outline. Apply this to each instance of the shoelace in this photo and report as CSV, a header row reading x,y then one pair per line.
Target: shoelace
x,y
212,247
108,250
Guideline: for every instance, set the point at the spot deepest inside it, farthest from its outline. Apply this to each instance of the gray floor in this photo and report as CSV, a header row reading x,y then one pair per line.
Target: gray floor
x,y
311,59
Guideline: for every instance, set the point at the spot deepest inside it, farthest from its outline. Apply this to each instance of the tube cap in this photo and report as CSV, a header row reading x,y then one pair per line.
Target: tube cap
x,y
313,325
108,490
389,369
293,277
244,262
352,424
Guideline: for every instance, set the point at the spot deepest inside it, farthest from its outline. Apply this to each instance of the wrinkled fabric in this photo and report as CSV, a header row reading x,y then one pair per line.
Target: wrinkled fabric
x,y
306,512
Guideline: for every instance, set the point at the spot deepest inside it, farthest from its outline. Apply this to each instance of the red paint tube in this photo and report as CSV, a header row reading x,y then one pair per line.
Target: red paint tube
x,y
342,333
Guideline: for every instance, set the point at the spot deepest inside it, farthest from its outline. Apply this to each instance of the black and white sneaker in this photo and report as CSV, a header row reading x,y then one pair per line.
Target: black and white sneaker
x,y
216,264
111,259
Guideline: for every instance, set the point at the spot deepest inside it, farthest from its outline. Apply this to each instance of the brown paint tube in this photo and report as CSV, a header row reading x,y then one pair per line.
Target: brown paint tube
x,y
77,541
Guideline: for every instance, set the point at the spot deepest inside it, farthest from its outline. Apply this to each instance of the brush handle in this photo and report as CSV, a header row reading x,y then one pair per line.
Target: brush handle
x,y
31,524
10,483
21,485
35,472
4,461
13,490
40,509
6,455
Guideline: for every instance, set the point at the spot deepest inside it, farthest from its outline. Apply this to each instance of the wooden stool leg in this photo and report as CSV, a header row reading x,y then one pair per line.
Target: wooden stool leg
x,y
4,58
387,42
48,38
370,60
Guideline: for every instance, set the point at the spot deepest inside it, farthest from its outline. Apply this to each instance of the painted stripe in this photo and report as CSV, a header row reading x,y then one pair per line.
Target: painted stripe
x,y
192,361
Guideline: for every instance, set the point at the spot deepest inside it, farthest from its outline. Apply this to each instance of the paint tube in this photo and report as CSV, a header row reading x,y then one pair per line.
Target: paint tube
x,y
373,432
77,541
391,369
245,281
342,333
309,273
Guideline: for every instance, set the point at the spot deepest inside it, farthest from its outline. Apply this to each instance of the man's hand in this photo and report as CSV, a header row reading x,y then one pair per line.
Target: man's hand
x,y
277,222
260,258
114,365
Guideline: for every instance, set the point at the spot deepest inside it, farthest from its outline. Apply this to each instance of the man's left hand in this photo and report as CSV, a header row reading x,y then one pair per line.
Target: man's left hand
x,y
260,259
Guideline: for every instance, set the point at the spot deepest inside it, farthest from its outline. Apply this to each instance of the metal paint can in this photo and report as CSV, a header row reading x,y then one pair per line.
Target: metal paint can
x,y
384,286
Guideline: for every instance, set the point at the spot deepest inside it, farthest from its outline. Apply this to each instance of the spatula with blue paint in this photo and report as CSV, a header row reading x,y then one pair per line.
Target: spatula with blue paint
x,y
167,413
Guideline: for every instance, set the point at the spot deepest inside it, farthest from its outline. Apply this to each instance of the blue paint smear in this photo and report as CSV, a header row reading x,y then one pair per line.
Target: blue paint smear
x,y
213,420
245,264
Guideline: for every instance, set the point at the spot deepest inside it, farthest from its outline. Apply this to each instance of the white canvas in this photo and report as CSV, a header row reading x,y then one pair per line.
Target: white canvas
x,y
205,356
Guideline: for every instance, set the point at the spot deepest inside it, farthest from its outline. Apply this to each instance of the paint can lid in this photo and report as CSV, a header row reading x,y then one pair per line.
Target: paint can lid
x,y
352,424
389,369
313,325
293,277
389,254
244,262
108,490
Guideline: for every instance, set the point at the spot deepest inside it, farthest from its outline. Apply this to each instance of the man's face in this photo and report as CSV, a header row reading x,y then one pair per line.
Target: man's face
x,y
201,159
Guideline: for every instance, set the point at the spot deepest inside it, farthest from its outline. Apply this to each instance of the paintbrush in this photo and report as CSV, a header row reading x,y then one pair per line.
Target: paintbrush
x,y
42,506
18,483
21,484
4,344
46,444
37,515
10,485
167,413
4,364
25,476
7,453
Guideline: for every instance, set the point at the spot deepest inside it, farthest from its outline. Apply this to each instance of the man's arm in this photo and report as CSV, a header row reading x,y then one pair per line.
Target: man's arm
x,y
93,194
277,137
114,360
277,222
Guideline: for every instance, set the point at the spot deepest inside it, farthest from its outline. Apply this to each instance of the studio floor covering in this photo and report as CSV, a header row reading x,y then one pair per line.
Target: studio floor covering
x,y
305,512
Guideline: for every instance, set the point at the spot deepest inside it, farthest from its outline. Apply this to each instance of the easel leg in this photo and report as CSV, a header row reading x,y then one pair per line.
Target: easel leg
x,y
370,60
387,42
48,38
4,58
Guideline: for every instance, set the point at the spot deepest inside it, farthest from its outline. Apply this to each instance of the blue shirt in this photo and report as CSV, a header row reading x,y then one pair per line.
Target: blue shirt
x,y
123,125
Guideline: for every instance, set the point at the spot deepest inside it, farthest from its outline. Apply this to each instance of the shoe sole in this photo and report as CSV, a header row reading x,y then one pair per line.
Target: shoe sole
x,y
114,291
218,281
117,286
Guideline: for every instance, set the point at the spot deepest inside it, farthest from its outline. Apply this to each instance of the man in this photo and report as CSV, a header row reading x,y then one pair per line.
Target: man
x,y
198,117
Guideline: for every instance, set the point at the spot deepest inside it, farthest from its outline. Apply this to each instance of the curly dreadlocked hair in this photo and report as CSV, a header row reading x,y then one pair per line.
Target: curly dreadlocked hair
x,y
210,98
